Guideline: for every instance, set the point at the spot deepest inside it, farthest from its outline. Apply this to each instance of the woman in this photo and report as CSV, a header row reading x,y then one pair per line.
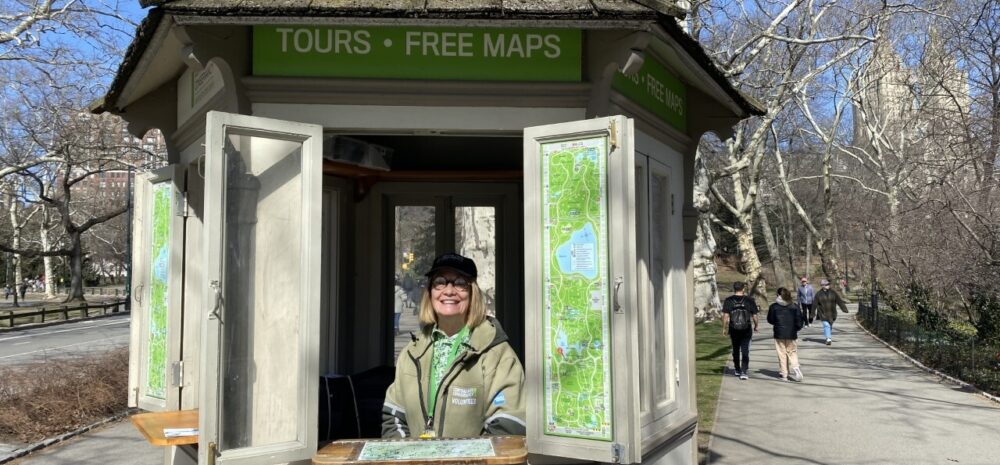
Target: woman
x,y
786,317
458,377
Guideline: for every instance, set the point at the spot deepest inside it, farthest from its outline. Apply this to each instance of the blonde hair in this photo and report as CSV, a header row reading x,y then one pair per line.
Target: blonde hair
x,y
473,317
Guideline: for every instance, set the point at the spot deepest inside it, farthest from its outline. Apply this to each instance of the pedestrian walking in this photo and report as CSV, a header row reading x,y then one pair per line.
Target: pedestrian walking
x,y
24,288
806,295
7,291
399,301
787,320
739,322
827,301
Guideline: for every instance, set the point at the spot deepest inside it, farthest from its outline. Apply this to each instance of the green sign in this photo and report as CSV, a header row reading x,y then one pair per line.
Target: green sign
x,y
452,53
657,90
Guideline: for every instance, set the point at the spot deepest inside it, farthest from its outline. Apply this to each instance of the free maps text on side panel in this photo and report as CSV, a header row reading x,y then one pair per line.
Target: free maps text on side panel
x,y
161,215
576,325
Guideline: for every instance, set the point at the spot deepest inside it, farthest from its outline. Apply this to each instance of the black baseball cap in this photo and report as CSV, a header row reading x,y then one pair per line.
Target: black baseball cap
x,y
455,262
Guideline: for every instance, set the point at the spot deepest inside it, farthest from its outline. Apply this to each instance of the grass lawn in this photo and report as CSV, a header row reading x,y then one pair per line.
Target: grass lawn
x,y
712,352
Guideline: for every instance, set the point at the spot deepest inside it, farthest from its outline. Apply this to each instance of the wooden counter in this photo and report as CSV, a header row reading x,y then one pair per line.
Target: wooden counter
x,y
151,426
509,450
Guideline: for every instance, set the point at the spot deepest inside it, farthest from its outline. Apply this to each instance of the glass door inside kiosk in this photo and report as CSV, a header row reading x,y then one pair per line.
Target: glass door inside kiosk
x,y
464,218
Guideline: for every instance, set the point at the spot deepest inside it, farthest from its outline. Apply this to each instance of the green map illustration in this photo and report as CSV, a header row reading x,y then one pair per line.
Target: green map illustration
x,y
577,365
436,449
156,379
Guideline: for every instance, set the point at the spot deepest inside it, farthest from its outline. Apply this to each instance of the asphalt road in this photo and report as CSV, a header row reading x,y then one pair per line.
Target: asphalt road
x,y
64,340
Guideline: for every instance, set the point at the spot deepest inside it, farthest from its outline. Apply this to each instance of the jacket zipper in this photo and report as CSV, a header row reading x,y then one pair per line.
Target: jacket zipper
x,y
429,421
420,393
444,405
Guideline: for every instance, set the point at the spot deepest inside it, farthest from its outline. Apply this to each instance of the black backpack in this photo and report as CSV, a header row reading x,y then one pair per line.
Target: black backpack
x,y
739,316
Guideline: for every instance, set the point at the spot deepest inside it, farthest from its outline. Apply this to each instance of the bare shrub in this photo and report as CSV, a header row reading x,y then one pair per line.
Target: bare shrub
x,y
46,399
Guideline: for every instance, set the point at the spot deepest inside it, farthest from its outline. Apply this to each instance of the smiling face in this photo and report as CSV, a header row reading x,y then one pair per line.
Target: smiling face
x,y
449,297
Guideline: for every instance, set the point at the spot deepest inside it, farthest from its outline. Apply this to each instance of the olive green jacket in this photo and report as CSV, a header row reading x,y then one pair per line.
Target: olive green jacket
x,y
481,393
827,301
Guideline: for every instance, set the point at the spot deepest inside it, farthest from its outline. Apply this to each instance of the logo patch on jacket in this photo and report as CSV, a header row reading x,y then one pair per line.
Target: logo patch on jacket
x,y
499,400
463,396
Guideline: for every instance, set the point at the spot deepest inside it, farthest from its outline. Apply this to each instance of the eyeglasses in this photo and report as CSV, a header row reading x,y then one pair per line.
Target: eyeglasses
x,y
440,282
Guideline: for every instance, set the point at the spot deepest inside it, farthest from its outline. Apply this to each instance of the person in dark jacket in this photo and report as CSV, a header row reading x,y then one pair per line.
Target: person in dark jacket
x,y
740,337
787,319
827,301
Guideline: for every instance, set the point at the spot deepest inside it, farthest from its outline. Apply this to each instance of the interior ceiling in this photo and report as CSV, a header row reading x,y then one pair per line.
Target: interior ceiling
x,y
440,153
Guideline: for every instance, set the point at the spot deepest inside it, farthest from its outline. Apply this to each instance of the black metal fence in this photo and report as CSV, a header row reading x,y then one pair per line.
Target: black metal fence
x,y
88,309
961,356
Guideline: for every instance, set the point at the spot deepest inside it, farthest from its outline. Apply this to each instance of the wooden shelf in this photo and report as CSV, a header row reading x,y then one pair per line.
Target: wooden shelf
x,y
509,450
151,426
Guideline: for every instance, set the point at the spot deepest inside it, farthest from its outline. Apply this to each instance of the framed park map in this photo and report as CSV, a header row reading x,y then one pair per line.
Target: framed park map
x,y
576,326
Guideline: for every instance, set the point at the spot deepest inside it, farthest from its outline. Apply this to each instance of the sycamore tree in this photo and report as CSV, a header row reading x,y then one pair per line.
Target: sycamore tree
x,y
772,51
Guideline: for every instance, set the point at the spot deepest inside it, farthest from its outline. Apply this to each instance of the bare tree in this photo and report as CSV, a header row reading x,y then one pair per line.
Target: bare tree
x,y
774,51
45,124
62,32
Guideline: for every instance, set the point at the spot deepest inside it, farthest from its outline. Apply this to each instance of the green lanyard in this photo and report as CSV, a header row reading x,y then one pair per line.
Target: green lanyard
x,y
435,382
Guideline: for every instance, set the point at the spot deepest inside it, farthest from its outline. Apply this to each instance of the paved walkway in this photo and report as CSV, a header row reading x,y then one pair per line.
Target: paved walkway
x,y
118,443
860,403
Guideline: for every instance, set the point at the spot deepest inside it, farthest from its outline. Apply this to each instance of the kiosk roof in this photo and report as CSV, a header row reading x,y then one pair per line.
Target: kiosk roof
x,y
661,12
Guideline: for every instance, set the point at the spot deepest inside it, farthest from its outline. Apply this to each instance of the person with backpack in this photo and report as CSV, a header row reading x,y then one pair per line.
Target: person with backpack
x,y
827,301
739,322
787,319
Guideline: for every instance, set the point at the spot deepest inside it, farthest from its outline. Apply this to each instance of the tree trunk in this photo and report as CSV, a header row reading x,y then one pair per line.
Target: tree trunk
x,y
827,261
706,288
749,260
75,268
772,246
790,239
50,290
809,258
15,242
894,204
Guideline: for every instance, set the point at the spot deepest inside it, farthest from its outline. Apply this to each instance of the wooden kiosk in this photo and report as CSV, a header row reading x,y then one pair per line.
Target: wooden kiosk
x,y
321,153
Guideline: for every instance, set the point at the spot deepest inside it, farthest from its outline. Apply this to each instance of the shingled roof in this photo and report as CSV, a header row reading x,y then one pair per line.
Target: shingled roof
x,y
663,12
510,9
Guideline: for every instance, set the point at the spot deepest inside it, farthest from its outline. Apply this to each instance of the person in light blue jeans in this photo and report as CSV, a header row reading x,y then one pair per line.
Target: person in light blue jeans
x,y
827,300
806,295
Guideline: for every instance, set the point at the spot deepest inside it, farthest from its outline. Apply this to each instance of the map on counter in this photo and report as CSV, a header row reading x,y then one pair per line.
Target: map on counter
x,y
434,449
576,326
156,379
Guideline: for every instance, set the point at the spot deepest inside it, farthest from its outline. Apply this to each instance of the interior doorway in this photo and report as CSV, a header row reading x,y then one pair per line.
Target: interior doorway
x,y
481,221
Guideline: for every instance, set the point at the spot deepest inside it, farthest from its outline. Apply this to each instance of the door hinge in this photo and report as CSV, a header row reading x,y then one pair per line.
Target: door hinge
x,y
613,133
183,209
616,453
673,207
177,373
677,370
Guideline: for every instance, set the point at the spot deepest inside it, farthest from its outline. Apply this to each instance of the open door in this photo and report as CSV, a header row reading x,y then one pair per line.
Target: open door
x,y
157,258
259,378
581,318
